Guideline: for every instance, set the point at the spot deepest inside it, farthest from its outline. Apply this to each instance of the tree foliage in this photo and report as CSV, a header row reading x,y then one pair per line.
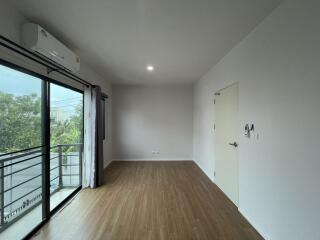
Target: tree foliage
x,y
20,124
69,131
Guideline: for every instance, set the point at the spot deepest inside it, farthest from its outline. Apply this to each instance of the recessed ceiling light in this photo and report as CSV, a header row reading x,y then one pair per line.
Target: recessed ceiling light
x,y
150,68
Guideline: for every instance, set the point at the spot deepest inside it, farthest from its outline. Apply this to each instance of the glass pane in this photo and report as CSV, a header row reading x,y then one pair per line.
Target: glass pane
x,y
20,169
20,110
66,124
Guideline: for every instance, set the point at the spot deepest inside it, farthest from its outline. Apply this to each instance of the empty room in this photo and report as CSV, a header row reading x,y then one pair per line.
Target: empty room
x,y
160,119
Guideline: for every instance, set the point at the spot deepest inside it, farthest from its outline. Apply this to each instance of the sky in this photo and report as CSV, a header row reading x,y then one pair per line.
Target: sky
x,y
18,84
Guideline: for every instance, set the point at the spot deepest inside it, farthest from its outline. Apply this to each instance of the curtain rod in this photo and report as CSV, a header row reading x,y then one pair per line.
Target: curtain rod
x,y
52,67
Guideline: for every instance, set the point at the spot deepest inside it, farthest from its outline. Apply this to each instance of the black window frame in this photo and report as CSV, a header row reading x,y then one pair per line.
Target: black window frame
x,y
46,213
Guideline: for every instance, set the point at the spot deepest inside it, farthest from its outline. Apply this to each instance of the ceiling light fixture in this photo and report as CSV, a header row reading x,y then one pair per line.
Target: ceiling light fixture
x,y
150,68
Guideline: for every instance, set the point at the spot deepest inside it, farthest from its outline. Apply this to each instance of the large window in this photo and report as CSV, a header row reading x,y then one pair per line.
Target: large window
x,y
66,139
20,149
41,142
20,110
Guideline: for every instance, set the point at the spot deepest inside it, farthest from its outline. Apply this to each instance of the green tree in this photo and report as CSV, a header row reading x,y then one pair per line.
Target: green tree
x,y
69,131
20,122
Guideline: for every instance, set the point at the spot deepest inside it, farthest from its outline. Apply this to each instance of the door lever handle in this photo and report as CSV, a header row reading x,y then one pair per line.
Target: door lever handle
x,y
234,144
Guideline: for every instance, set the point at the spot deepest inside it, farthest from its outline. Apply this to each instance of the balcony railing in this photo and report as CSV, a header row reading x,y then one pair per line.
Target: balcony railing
x,y
21,178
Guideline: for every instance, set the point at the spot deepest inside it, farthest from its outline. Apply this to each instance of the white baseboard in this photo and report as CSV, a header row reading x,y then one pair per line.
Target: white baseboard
x,y
154,159
265,236
212,180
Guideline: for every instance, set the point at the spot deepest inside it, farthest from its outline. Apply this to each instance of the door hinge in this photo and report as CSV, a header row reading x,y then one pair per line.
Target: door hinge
x,y
214,126
214,101
214,173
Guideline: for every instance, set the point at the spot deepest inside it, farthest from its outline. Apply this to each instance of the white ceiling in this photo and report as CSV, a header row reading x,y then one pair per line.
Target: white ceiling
x,y
183,39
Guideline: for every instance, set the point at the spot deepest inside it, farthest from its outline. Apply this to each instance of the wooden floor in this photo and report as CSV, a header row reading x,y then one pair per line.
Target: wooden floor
x,y
150,200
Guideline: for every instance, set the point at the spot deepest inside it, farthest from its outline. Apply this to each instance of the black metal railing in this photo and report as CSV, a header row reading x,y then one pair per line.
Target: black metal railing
x,y
21,178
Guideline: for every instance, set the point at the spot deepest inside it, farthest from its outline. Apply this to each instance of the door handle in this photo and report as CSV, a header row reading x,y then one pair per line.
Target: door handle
x,y
234,144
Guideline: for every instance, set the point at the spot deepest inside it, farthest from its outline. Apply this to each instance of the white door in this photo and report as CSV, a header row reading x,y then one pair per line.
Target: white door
x,y
226,141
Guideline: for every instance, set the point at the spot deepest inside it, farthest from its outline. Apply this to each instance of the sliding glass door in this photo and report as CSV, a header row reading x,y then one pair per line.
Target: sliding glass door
x,y
41,147
66,139
21,152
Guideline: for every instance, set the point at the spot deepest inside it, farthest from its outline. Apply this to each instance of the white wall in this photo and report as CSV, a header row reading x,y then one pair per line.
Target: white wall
x,y
10,27
150,119
278,70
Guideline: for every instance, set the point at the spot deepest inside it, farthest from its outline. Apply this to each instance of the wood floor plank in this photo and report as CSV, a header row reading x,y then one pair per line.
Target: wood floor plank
x,y
151,200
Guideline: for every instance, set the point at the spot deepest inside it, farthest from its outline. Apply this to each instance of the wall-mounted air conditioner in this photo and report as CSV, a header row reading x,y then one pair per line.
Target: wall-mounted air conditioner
x,y
40,41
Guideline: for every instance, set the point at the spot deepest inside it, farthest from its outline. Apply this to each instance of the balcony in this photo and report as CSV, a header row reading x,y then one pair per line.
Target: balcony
x,y
21,177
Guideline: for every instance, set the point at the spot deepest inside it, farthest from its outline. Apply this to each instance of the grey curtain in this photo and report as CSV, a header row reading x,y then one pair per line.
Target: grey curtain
x,y
98,176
